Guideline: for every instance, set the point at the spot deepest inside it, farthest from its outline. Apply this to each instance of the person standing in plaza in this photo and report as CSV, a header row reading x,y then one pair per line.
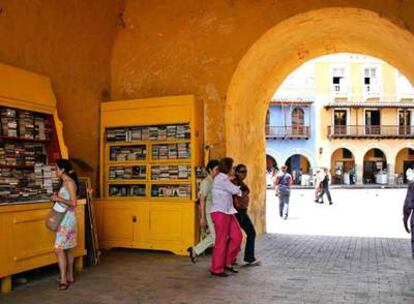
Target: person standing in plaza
x,y
408,210
228,232
325,187
66,234
206,223
241,204
282,186
318,184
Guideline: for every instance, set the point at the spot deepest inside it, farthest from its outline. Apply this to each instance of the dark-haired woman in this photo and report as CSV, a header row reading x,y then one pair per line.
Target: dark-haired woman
x,y
67,231
205,198
243,217
228,233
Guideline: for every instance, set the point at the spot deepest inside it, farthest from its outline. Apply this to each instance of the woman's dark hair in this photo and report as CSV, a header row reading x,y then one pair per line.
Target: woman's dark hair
x,y
211,165
65,164
239,167
225,165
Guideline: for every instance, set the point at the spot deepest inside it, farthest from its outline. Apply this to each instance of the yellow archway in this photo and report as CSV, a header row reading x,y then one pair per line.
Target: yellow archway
x,y
280,51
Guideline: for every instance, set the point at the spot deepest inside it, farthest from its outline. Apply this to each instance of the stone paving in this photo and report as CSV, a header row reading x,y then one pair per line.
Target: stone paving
x,y
295,269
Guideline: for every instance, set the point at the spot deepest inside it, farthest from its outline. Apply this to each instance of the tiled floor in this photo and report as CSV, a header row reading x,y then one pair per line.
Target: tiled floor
x,y
295,269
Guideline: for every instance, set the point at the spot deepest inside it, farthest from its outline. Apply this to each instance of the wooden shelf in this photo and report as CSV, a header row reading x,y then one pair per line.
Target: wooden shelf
x,y
183,161
127,181
16,167
126,163
127,143
23,139
147,142
170,181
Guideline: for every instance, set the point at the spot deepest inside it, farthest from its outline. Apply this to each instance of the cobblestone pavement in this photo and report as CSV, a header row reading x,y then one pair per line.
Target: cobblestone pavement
x,y
295,269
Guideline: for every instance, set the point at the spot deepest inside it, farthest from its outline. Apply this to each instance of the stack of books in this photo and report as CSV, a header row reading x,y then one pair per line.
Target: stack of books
x,y
135,172
153,133
183,191
127,190
136,134
40,128
26,125
116,135
22,154
183,151
2,156
128,153
8,118
172,172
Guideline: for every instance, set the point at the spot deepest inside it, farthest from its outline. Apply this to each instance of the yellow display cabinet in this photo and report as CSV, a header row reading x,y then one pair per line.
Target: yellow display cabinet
x,y
31,139
149,151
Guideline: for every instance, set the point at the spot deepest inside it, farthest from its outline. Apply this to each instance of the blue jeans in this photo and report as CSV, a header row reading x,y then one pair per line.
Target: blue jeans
x,y
284,203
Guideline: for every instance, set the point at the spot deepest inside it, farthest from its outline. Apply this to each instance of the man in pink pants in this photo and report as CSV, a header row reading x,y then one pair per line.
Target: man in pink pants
x,y
228,232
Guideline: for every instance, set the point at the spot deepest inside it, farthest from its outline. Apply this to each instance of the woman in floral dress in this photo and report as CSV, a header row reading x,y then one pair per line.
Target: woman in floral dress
x,y
66,233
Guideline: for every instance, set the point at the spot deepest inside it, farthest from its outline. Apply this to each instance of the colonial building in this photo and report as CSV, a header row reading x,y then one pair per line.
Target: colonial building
x,y
351,113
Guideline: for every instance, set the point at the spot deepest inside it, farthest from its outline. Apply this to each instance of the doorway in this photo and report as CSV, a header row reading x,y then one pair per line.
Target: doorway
x,y
372,122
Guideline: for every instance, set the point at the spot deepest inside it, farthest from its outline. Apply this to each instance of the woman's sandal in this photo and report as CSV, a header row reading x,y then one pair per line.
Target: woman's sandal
x,y
63,286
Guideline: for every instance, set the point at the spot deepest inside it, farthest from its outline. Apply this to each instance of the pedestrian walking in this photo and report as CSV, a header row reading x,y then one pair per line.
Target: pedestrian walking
x,y
228,232
206,223
408,211
241,204
319,177
282,186
325,188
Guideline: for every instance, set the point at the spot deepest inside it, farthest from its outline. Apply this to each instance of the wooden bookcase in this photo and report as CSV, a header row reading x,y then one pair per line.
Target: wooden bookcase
x,y
149,151
27,155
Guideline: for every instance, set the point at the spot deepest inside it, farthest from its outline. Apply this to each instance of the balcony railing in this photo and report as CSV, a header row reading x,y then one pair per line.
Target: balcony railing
x,y
371,131
287,132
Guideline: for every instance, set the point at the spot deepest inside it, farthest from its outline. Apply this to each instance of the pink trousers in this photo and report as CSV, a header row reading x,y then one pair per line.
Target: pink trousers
x,y
228,241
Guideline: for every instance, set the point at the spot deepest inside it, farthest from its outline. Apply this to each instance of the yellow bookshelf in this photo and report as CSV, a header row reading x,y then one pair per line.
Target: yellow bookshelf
x,y
149,151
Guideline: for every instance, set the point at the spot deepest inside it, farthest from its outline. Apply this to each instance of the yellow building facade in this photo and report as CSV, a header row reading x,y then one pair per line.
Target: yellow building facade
x,y
364,120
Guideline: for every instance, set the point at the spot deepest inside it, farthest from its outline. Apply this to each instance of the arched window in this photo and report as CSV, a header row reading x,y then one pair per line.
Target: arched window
x,y
298,121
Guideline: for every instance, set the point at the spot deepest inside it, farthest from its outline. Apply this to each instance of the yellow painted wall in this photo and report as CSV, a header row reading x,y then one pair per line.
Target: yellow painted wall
x,y
70,42
93,51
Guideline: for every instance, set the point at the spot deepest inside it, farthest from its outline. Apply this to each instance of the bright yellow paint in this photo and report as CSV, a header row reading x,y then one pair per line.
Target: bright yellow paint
x,y
26,242
145,222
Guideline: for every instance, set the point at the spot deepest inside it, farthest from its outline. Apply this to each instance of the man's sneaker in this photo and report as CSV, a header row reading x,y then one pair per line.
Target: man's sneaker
x,y
330,203
285,217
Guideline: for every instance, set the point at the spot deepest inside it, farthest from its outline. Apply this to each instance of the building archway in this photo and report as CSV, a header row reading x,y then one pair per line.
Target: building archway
x,y
271,163
284,48
343,167
403,161
375,167
298,165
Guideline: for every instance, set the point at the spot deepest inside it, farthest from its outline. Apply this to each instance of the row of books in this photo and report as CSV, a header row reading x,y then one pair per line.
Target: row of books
x,y
25,184
171,191
128,153
127,190
170,172
22,154
24,124
134,172
171,151
153,133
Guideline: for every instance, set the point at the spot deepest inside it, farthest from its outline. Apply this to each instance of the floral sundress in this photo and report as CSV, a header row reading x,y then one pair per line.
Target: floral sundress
x,y
66,235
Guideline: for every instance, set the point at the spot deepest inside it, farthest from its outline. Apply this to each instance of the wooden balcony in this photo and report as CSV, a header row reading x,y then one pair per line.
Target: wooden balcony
x,y
287,132
360,131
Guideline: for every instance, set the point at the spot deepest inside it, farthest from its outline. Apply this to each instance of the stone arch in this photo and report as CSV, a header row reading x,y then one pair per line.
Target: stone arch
x,y
386,150
303,152
342,169
276,155
284,48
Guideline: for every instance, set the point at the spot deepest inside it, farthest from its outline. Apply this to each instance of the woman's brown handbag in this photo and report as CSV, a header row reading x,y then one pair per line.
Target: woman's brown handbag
x,y
55,217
